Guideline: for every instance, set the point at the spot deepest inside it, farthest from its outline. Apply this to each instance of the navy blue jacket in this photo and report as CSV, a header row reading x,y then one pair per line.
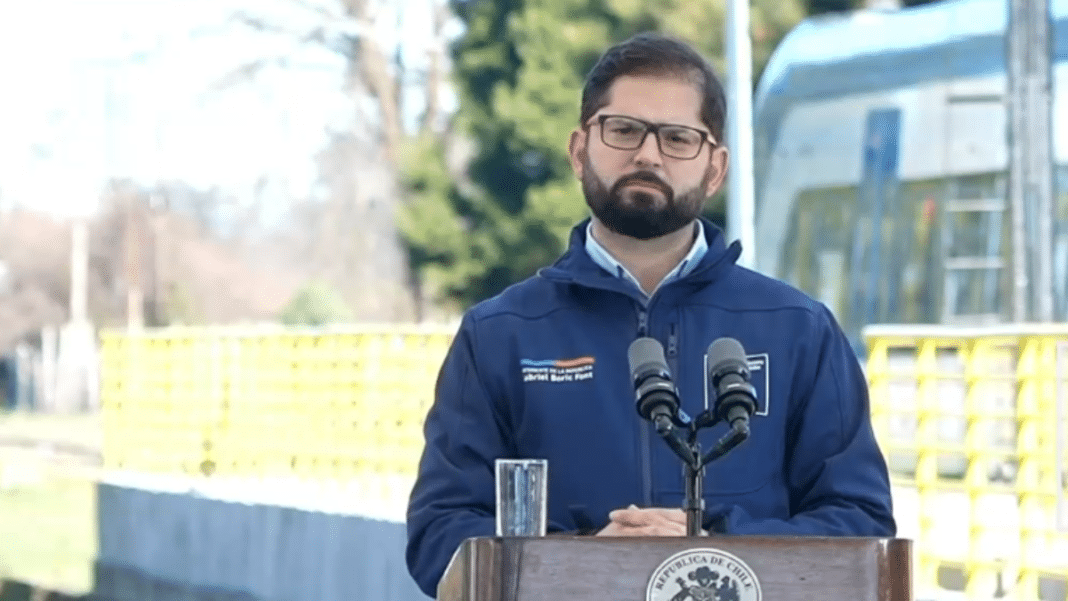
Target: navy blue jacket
x,y
541,371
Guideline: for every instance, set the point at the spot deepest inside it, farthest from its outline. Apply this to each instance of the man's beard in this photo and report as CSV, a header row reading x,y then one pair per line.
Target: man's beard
x,y
640,217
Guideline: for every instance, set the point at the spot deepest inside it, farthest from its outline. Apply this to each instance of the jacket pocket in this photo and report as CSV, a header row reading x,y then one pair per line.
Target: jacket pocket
x,y
744,470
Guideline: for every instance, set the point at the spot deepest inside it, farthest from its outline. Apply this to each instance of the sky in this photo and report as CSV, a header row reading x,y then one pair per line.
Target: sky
x,y
94,88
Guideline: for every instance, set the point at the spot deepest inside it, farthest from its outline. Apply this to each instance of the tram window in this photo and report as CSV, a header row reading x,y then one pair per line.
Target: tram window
x,y
829,234
918,287
829,252
974,294
814,256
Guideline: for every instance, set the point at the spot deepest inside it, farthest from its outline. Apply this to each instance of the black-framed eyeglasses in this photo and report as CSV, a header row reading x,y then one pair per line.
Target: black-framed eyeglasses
x,y
676,141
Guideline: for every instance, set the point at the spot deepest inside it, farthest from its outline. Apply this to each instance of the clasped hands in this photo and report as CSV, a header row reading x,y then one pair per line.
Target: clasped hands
x,y
653,521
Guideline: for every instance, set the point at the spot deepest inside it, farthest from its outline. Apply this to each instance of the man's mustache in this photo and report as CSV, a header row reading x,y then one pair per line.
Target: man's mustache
x,y
645,178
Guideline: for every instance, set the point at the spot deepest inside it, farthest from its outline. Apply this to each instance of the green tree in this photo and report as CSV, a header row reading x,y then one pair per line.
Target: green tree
x,y
316,304
474,228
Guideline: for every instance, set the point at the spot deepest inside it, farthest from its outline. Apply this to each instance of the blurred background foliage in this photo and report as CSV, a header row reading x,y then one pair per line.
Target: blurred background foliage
x,y
493,199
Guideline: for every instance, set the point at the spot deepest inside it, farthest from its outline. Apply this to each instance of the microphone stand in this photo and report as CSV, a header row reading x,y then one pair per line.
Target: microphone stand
x,y
694,504
689,451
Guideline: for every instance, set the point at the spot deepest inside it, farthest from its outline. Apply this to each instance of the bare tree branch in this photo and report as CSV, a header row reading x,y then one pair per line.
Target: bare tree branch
x,y
375,71
434,73
351,34
319,9
350,235
244,73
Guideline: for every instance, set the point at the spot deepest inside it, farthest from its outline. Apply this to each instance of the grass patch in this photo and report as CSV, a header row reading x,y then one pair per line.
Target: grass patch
x,y
47,517
84,430
48,533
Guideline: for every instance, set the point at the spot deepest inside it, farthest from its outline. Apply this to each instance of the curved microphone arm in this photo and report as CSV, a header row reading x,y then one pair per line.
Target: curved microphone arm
x,y
738,433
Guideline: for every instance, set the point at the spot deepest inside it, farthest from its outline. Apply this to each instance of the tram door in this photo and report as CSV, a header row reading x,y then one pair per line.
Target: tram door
x,y
873,280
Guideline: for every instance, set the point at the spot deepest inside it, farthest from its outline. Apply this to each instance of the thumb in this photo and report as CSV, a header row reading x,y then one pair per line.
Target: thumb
x,y
620,514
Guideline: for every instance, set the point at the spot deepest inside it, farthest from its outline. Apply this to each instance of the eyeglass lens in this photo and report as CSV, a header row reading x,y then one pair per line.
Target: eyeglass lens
x,y
628,134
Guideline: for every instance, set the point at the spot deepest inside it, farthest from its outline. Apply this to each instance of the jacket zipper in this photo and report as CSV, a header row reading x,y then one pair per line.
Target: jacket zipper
x,y
672,356
645,434
673,351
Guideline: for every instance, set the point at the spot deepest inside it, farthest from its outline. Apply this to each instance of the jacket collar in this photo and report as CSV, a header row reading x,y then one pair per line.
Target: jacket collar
x,y
576,266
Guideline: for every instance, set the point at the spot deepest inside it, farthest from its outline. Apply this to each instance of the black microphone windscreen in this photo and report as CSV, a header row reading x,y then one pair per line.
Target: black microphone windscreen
x,y
645,354
725,350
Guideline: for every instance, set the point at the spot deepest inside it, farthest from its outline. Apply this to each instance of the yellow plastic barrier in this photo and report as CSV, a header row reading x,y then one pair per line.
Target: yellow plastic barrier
x,y
973,423
338,404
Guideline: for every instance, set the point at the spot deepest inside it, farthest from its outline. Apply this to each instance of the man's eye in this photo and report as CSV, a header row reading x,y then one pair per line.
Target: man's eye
x,y
681,137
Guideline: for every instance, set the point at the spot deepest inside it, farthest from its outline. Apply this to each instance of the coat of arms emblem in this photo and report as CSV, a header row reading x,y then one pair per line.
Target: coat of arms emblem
x,y
703,575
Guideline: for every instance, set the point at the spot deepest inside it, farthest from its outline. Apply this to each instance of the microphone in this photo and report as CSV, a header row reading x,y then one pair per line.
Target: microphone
x,y
657,399
655,393
729,374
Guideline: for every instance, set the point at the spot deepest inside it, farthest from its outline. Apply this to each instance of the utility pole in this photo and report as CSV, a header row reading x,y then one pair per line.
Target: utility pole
x,y
740,185
1028,49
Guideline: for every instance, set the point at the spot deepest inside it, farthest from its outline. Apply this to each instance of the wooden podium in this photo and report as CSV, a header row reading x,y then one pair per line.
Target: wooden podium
x,y
715,568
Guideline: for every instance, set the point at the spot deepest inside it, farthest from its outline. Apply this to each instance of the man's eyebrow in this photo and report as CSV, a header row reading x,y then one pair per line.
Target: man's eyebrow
x,y
698,126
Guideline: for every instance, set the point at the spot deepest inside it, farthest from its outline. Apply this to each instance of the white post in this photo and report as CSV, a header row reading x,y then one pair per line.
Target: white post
x,y
79,268
77,346
741,214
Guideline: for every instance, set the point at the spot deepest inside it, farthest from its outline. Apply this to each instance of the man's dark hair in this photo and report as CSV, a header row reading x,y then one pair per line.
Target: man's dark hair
x,y
655,54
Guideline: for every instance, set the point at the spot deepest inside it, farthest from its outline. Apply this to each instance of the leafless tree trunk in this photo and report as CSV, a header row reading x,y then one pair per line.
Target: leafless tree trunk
x,y
356,233
373,70
435,73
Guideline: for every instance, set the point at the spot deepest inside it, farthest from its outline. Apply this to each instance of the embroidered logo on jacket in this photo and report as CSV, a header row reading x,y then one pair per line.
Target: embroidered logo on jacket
x,y
557,370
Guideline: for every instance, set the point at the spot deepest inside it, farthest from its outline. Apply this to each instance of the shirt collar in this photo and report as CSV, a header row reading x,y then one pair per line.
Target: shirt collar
x,y
605,259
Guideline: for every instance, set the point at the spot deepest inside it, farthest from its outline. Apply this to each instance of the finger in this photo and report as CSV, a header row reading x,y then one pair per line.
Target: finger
x,y
616,529
656,518
631,507
657,529
630,517
643,516
670,514
667,524
663,529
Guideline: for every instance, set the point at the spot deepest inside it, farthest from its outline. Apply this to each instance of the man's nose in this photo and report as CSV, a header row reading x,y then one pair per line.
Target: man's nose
x,y
649,152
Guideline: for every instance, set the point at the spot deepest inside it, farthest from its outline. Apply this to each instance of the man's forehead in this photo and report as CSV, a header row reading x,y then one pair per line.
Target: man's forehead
x,y
656,98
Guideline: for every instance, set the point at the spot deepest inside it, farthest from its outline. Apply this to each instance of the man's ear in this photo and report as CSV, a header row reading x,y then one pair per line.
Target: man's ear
x,y
717,164
576,150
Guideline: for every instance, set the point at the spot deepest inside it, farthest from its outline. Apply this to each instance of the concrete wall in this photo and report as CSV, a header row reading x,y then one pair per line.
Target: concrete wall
x,y
175,546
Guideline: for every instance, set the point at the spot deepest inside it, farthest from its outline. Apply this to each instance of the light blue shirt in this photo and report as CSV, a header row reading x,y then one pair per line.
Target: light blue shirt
x,y
607,262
